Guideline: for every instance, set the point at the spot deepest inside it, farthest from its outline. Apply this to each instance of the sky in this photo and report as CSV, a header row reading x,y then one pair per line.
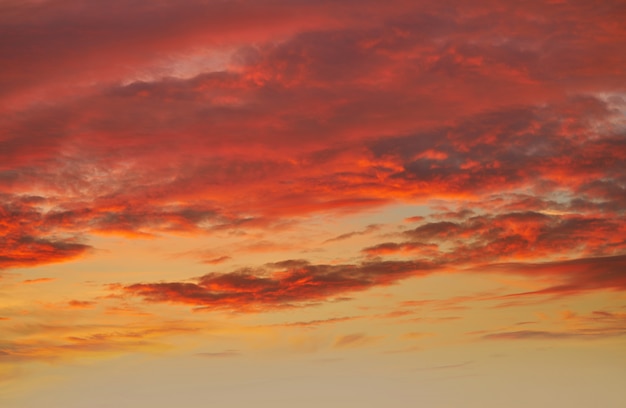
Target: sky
x,y
305,203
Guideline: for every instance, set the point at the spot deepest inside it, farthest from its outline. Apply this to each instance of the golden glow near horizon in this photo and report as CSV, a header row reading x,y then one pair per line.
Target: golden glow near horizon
x,y
344,204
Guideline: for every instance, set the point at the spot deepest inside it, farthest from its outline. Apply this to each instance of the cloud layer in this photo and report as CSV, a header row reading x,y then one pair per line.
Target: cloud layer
x,y
197,117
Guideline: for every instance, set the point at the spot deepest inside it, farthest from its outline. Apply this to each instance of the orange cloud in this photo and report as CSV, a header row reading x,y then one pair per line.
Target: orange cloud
x,y
218,260
81,304
555,335
220,354
58,342
38,280
317,322
353,340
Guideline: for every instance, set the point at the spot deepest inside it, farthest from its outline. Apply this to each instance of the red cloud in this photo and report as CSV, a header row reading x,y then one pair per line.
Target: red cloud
x,y
279,285
509,236
274,110
25,239
215,261
571,276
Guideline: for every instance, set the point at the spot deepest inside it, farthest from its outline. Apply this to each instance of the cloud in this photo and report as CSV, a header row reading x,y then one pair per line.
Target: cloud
x,y
259,115
28,251
416,335
510,236
220,354
260,123
218,260
25,238
415,248
52,343
38,280
296,283
598,324
368,230
464,364
317,322
553,335
353,340
528,334
280,284
144,35
570,277
321,82
410,349
81,304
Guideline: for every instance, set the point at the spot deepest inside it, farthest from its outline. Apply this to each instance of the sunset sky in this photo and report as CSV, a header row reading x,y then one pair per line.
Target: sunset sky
x,y
312,203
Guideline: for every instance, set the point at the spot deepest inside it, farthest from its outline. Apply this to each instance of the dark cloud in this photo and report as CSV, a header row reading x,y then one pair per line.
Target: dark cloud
x,y
506,236
571,276
26,240
288,283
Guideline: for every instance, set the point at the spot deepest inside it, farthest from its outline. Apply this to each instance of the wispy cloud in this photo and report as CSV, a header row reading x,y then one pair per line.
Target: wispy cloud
x,y
369,229
38,280
317,322
354,340
220,354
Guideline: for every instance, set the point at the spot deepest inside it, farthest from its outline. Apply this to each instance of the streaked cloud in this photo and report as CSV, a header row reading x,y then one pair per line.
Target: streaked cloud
x,y
220,354
38,280
354,340
282,284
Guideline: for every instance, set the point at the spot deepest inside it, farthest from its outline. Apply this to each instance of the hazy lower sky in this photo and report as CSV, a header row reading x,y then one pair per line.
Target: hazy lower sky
x,y
307,203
